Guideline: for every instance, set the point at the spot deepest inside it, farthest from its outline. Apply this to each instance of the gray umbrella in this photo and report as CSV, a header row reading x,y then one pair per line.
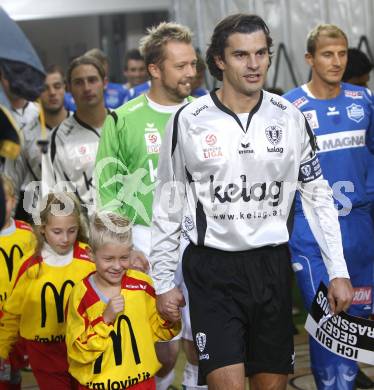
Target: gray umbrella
x,y
19,62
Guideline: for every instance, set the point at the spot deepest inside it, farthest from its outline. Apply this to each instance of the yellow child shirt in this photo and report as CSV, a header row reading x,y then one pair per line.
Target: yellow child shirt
x,y
121,354
15,241
37,303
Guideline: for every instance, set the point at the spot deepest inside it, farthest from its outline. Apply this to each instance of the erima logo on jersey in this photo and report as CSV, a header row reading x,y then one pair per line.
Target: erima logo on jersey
x,y
246,148
278,104
341,140
355,112
332,111
258,192
197,112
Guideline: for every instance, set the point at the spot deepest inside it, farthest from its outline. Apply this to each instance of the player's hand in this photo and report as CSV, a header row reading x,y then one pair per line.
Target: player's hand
x,y
115,306
169,304
340,294
139,261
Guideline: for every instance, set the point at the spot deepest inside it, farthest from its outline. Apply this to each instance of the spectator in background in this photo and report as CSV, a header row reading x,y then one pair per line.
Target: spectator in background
x,y
52,98
358,68
197,85
114,95
134,69
27,167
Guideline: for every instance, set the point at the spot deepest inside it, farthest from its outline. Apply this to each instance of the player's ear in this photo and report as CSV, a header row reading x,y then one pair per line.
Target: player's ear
x,y
154,70
309,59
219,62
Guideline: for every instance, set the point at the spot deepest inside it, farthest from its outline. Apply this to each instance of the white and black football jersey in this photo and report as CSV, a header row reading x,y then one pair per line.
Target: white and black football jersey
x,y
71,160
229,180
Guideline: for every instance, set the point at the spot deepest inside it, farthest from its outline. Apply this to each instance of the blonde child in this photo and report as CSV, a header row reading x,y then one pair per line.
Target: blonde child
x,y
112,322
36,305
16,239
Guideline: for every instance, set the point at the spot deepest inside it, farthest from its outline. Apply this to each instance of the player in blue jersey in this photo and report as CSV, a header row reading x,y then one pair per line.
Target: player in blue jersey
x,y
342,117
134,70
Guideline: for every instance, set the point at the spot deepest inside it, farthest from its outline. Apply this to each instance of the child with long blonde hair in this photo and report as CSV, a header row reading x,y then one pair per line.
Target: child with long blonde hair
x,y
35,308
16,239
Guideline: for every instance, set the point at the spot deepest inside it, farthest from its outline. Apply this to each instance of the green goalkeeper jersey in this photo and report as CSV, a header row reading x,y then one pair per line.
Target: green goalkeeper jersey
x,y
127,158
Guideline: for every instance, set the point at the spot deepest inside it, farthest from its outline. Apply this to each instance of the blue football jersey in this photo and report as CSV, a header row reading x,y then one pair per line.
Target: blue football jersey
x,y
114,96
139,90
344,127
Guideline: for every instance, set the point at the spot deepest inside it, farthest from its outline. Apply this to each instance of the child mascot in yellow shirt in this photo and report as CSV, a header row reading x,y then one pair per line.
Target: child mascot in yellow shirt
x,y
36,305
16,239
112,321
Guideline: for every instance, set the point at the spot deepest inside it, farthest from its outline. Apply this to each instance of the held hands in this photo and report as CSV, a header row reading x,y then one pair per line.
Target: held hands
x,y
169,304
115,306
340,294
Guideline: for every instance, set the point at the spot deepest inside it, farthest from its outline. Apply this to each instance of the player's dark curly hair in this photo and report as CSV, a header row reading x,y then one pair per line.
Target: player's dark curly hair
x,y
238,23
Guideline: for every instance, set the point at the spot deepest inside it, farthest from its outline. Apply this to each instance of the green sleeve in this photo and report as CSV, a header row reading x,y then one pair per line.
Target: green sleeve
x,y
110,165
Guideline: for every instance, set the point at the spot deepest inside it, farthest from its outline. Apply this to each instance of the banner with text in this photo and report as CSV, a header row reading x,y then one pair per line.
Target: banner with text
x,y
343,334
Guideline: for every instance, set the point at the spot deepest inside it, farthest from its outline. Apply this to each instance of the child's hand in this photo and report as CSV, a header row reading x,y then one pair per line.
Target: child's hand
x,y
139,261
115,305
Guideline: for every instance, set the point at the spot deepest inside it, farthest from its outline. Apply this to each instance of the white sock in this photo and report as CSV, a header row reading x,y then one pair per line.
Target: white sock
x,y
166,381
190,376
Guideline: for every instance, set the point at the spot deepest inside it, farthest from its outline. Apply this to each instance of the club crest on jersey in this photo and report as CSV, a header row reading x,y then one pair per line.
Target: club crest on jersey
x,y
306,170
274,134
188,223
201,341
355,112
152,139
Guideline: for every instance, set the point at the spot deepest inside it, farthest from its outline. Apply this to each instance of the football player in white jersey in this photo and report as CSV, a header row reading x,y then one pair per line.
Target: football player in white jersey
x,y
229,166
74,142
